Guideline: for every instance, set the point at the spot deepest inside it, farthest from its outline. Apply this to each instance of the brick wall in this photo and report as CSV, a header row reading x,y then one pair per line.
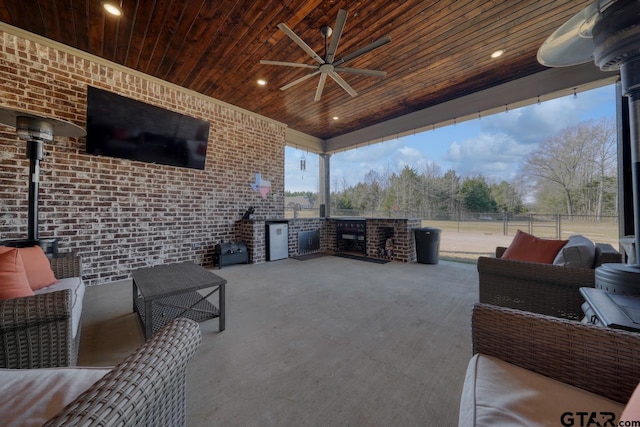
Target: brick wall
x,y
402,233
121,214
298,225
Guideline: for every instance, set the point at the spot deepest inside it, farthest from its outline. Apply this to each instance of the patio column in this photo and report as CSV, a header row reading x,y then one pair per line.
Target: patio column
x,y
324,189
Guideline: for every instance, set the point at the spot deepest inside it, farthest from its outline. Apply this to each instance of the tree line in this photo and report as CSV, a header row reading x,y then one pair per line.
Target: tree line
x,y
571,173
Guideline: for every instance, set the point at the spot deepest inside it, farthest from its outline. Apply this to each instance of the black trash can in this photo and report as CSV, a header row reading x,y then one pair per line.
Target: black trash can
x,y
427,245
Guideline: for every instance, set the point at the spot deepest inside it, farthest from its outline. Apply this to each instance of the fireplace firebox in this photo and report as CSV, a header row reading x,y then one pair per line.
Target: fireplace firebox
x,y
351,235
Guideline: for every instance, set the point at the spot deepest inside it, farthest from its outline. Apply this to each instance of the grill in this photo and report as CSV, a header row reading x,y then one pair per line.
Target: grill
x,y
231,253
351,235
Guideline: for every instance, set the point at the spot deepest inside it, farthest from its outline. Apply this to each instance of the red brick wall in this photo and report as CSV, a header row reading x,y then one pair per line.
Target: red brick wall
x,y
121,214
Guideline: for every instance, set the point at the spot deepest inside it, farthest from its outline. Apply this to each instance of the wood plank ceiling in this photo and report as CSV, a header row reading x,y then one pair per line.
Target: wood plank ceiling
x,y
440,50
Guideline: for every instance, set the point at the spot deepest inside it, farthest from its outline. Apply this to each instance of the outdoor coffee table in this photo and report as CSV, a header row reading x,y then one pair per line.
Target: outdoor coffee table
x,y
165,292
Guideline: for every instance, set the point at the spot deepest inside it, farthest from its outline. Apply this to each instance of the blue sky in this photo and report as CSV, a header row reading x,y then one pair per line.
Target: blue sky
x,y
492,146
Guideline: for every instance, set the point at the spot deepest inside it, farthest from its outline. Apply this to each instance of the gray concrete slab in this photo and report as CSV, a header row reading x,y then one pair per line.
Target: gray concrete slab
x,y
324,342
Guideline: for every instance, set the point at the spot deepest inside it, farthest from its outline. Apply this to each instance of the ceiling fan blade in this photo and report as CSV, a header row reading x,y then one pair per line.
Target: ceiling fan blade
x,y
293,36
323,78
287,64
368,48
363,71
300,80
337,33
344,85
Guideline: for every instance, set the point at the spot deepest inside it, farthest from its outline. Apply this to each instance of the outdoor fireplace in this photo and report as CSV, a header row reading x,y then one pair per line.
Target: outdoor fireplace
x,y
351,235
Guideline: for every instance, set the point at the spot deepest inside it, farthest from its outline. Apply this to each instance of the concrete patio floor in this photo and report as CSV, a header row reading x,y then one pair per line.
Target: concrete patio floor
x,y
324,342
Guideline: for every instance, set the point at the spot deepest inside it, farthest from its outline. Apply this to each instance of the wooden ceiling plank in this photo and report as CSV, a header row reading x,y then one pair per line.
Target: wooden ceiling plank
x,y
80,18
439,49
25,14
435,14
51,20
155,31
223,52
96,28
122,45
170,32
249,63
208,34
253,68
479,55
111,29
247,46
4,13
178,43
140,29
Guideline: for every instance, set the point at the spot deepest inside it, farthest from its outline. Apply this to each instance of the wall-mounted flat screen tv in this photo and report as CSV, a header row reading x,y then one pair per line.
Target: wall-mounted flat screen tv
x,y
122,127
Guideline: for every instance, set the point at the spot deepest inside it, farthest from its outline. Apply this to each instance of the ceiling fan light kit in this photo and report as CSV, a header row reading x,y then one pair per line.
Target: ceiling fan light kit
x,y
328,66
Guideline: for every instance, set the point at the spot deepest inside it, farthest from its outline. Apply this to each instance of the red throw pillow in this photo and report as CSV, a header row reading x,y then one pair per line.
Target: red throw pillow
x,y
13,279
526,247
36,265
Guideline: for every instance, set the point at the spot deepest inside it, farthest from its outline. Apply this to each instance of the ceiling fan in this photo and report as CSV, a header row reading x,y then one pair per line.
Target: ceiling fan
x,y
329,66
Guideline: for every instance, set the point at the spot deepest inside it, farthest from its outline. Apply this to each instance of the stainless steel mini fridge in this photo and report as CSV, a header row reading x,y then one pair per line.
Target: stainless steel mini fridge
x,y
277,241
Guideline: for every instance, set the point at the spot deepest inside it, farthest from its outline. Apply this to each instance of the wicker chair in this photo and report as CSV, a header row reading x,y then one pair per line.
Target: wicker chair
x,y
603,361
36,331
146,389
540,288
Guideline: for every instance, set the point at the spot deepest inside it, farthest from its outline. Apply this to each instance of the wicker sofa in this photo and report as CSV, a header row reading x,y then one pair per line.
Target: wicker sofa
x,y
146,389
539,288
43,330
531,369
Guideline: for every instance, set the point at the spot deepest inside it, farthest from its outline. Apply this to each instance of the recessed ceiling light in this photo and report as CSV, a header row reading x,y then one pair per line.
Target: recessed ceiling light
x,y
497,53
262,82
112,8
335,117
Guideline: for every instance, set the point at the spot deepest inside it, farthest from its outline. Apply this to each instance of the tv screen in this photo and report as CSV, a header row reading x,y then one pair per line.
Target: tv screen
x,y
122,127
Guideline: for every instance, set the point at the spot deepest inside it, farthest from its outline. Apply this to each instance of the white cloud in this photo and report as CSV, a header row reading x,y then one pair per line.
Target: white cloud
x,y
352,166
493,146
535,123
494,155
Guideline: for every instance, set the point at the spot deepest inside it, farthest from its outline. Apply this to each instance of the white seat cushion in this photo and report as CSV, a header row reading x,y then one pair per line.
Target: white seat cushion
x,y
32,396
76,285
497,393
